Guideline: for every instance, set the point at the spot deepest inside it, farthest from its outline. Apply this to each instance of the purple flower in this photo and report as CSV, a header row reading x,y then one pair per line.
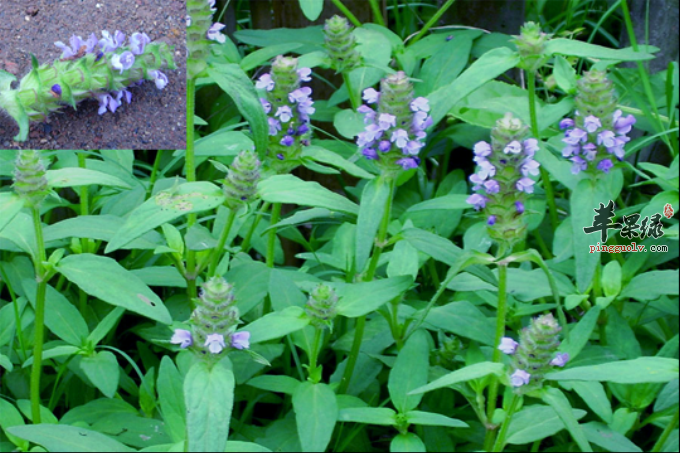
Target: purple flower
x,y
420,104
400,138
570,150
530,167
300,95
408,163
91,43
274,126
215,343
123,61
384,146
266,105
487,169
287,140
214,33
592,123
530,147
284,113
621,124
579,165
421,121
491,221
606,138
123,94
369,113
520,207
575,136
138,42
240,340
303,129
160,79
477,181
508,345
560,360
514,147
589,151
305,74
566,123
525,185
56,89
385,121
110,43
305,108
182,338
106,101
413,147
519,378
369,153
491,186
482,149
477,200
67,52
280,156
371,96
265,82
605,165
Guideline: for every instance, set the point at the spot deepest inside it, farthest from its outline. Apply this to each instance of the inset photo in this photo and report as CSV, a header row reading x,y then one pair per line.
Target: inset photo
x,y
93,74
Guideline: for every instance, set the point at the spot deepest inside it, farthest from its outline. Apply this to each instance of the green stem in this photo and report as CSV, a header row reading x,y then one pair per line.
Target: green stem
x,y
245,245
217,252
666,433
370,273
433,20
36,370
496,357
314,355
500,440
154,173
190,171
271,239
344,10
84,243
350,90
547,184
377,14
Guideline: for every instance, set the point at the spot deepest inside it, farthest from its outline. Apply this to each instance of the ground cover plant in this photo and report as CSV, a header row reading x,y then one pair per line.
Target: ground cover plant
x,y
383,236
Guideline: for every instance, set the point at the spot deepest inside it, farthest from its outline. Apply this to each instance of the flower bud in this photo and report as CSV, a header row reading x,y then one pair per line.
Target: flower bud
x,y
240,185
341,44
200,32
30,182
531,46
321,306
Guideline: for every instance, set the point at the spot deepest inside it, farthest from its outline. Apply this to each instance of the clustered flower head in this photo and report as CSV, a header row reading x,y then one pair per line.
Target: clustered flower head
x,y
531,46
535,354
200,31
288,106
88,68
213,322
503,179
395,128
595,138
321,306
30,182
240,185
341,44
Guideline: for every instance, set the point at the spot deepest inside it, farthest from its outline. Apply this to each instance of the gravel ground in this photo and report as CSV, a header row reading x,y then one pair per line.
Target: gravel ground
x,y
156,119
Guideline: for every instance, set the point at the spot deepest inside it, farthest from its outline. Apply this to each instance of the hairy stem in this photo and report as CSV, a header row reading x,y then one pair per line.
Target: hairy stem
x,y
500,439
36,370
217,251
190,171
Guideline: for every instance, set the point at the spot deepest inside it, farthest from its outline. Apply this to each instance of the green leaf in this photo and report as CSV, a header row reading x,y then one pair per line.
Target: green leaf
x,y
209,398
607,438
371,212
668,396
237,446
105,325
61,317
447,202
409,372
311,8
408,442
574,48
536,422
434,419
594,395
579,335
277,324
584,199
21,232
262,56
10,417
642,369
6,363
277,383
326,156
403,261
611,278
253,284
165,207
565,75
439,248
171,399
291,189
74,177
487,67
444,66
103,371
465,374
237,84
348,123
100,227
556,399
316,412
68,438
369,415
104,278
652,285
57,351
10,205
465,319
362,298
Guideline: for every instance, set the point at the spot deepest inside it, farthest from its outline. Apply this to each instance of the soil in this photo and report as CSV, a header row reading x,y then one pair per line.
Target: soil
x,y
156,119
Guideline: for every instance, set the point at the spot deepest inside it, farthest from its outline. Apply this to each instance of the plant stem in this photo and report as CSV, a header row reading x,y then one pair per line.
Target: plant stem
x,y
314,354
84,242
370,273
666,433
190,171
433,20
547,184
344,10
271,240
377,14
36,370
217,252
496,357
500,439
245,245
350,90
154,173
